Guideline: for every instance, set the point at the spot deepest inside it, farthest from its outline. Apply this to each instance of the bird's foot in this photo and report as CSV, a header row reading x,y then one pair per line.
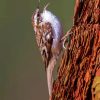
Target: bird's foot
x,y
66,38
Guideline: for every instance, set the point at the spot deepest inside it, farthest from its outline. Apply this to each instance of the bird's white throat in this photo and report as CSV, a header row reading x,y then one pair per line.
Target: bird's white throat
x,y
47,16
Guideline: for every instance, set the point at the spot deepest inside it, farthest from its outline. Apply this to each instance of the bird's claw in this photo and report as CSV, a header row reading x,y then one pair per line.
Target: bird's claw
x,y
65,38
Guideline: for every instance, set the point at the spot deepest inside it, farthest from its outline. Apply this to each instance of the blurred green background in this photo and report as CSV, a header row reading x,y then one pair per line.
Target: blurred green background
x,y
22,74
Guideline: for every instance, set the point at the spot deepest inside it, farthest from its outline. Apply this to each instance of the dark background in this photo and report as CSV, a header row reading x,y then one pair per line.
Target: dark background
x,y
22,74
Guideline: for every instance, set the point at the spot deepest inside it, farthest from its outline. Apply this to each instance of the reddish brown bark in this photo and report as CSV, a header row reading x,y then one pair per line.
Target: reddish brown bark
x,y
80,63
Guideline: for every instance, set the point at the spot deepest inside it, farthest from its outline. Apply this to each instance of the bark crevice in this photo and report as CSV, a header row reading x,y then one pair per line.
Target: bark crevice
x,y
81,61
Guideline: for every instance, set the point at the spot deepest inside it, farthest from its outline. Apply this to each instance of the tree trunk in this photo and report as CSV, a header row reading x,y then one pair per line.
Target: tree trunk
x,y
79,71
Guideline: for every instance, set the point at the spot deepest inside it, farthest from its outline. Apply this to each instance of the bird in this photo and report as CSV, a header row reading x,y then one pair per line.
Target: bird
x,y
48,32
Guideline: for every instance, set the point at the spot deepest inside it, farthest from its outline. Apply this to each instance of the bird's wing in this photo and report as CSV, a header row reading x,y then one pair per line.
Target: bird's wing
x,y
45,42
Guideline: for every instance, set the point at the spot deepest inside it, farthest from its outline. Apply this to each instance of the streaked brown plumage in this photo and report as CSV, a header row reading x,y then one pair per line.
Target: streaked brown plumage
x,y
48,33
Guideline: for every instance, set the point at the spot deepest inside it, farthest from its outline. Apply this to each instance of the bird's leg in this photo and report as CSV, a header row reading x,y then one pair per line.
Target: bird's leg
x,y
50,76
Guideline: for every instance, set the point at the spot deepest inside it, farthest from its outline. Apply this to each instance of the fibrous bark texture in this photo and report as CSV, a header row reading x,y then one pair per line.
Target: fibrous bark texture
x,y
79,71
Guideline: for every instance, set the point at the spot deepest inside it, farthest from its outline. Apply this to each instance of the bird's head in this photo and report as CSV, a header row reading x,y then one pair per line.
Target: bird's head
x,y
37,15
